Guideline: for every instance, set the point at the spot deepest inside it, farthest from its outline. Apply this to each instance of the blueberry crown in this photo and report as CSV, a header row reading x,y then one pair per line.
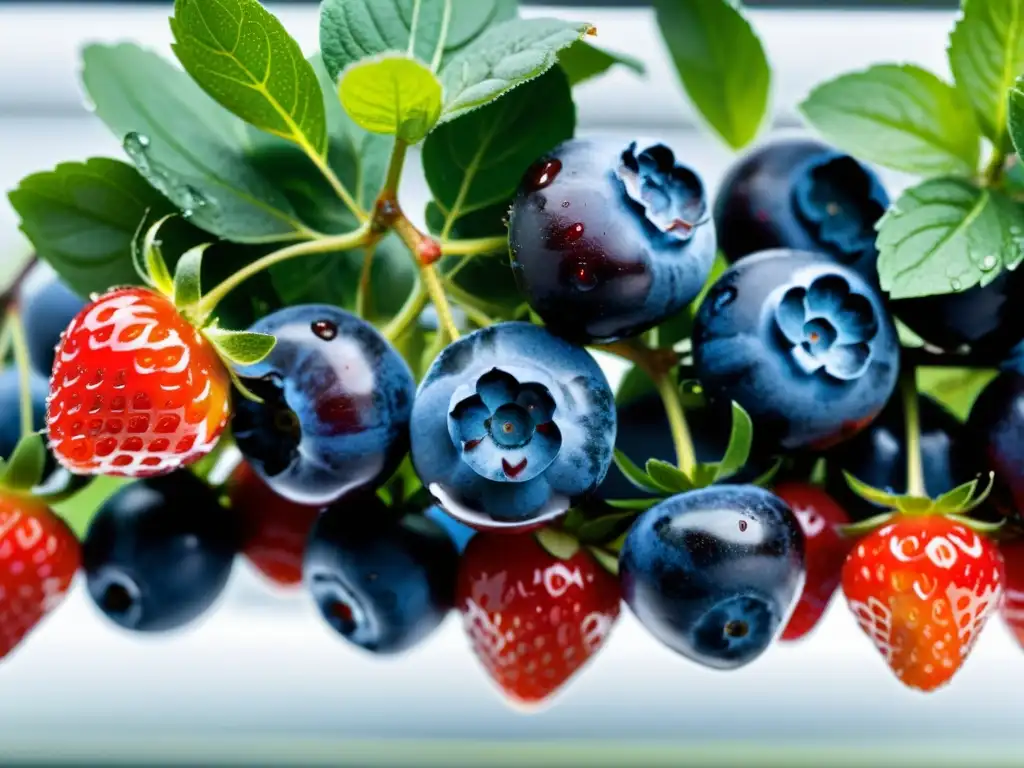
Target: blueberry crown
x,y
669,194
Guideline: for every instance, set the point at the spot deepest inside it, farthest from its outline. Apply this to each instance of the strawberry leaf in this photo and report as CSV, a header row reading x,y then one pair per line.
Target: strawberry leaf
x,y
240,347
574,519
634,474
24,469
874,495
981,498
634,504
605,528
955,500
667,477
606,560
978,526
187,287
558,543
853,530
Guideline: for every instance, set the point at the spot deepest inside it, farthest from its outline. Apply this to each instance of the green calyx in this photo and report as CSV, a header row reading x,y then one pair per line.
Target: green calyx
x,y
602,537
23,470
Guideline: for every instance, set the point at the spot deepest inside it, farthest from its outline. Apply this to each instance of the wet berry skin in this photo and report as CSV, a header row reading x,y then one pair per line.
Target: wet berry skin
x,y
803,343
609,238
714,573
382,583
510,425
995,435
804,195
877,456
159,552
47,306
337,398
643,433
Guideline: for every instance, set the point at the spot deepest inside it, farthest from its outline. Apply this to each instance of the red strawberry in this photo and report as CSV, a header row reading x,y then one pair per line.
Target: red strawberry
x,y
534,620
39,556
922,588
1013,603
825,548
275,530
135,391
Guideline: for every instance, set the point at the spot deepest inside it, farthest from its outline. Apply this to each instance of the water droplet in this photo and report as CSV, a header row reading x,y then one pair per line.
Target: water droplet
x,y
692,388
723,298
565,204
583,278
1013,265
324,329
135,146
542,174
989,263
955,284
573,233
1016,231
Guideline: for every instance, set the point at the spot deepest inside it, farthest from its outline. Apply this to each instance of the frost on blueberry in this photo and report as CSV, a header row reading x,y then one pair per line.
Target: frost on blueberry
x,y
510,425
670,195
829,326
840,202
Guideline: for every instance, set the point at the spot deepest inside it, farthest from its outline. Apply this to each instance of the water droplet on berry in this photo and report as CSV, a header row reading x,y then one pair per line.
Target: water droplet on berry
x,y
573,233
723,298
542,174
324,329
989,263
583,278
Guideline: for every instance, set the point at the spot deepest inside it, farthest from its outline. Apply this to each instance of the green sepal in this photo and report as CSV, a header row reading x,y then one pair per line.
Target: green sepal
x,y
23,470
741,438
978,500
558,543
668,477
61,486
634,474
616,545
605,559
149,259
240,347
765,478
705,474
855,530
874,495
915,505
240,385
605,528
978,526
187,284
639,505
574,519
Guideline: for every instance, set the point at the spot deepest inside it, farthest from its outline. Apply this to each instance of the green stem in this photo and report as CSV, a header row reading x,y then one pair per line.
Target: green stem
x,y
477,247
340,190
394,173
365,283
912,421
17,333
413,307
329,244
432,282
5,342
993,173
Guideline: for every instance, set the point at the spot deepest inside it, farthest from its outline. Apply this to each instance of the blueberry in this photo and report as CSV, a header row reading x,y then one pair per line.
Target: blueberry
x,y
610,238
337,399
47,306
643,434
995,436
510,424
10,407
715,573
877,456
381,583
803,195
159,552
802,342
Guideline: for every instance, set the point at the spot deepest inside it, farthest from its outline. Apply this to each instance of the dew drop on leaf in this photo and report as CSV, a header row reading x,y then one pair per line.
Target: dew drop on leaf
x,y
989,263
955,284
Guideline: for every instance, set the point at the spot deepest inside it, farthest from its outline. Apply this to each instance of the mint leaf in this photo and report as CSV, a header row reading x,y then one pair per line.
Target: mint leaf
x,y
82,219
241,55
902,117
393,95
721,64
583,61
947,235
986,53
241,347
505,56
478,160
186,145
24,469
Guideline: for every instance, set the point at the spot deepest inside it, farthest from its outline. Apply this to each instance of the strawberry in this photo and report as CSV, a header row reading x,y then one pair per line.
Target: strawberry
x,y
135,390
275,530
39,556
1013,603
825,551
922,588
533,620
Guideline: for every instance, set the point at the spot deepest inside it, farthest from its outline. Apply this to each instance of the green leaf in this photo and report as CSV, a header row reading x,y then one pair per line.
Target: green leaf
x,y
605,528
583,61
478,161
740,439
668,477
721,63
874,495
957,498
82,219
243,57
899,116
154,266
986,53
557,543
186,145
187,282
634,474
955,388
392,94
505,56
80,509
1016,119
634,504
24,469
605,559
947,235
241,347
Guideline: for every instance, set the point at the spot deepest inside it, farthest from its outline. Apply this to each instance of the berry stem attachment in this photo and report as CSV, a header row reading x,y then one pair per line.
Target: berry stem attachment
x,y
477,247
426,251
911,413
345,242
16,329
